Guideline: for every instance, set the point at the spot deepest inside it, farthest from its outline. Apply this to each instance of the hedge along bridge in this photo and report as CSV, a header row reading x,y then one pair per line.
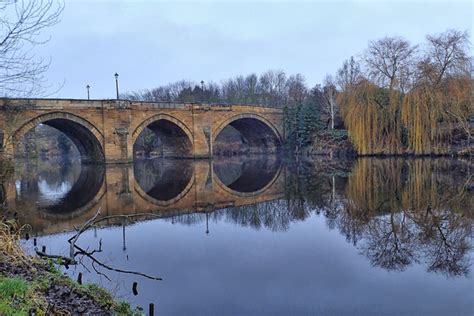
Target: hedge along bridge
x,y
105,131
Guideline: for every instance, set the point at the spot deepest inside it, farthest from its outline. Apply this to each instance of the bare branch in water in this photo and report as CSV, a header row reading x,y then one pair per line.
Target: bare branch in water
x,y
91,222
85,253
84,227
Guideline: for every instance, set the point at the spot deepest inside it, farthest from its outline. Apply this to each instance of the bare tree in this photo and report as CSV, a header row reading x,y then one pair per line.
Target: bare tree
x,y
273,85
389,61
21,22
251,86
168,93
444,82
349,74
296,90
330,93
447,55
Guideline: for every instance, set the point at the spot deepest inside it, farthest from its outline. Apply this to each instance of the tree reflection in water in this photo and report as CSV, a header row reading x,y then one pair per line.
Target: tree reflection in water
x,y
271,215
400,212
396,211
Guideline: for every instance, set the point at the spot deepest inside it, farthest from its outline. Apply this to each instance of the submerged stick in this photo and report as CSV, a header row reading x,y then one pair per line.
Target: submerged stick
x,y
72,241
84,227
134,288
85,253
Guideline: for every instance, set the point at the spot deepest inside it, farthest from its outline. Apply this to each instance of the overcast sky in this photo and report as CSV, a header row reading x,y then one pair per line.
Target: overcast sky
x,y
151,43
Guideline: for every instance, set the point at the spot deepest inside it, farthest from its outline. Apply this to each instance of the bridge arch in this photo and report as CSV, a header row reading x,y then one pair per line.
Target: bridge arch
x,y
85,136
257,132
176,139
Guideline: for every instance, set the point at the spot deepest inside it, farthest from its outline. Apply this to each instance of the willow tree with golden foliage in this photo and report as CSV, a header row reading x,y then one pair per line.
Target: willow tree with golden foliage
x,y
371,117
437,110
371,106
436,117
404,103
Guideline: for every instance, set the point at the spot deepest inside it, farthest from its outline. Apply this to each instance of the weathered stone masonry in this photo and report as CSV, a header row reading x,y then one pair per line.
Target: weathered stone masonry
x,y
106,130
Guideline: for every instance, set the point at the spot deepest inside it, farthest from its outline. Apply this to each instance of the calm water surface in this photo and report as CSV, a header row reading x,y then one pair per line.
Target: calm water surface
x,y
258,236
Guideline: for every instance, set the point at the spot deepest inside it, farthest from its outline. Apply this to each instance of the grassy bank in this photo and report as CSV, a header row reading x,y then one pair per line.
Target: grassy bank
x,y
32,285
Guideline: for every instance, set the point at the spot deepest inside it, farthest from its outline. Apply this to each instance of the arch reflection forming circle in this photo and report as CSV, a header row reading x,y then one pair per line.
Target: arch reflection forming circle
x,y
163,181
249,176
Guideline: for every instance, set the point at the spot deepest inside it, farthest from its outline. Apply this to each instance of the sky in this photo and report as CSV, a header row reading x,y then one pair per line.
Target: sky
x,y
152,43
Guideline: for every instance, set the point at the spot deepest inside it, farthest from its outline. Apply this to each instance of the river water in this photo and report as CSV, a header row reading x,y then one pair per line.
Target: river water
x,y
260,235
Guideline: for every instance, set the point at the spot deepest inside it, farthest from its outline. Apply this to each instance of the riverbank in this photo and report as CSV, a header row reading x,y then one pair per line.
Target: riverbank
x,y
33,285
337,144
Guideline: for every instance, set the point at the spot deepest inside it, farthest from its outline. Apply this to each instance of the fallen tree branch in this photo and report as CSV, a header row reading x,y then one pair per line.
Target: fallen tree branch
x,y
100,273
72,241
85,253
84,227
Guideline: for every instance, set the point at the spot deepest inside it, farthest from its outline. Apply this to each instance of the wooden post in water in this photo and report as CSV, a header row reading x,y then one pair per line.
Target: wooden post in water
x,y
134,288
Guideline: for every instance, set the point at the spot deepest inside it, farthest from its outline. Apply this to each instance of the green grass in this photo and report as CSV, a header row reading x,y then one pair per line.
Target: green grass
x,y
105,299
16,297
100,295
19,297
12,287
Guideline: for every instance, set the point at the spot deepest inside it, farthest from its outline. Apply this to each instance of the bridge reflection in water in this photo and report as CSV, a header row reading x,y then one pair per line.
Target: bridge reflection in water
x,y
55,199
405,223
397,212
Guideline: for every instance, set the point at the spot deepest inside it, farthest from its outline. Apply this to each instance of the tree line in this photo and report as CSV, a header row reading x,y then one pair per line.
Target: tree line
x,y
394,98
306,109
272,88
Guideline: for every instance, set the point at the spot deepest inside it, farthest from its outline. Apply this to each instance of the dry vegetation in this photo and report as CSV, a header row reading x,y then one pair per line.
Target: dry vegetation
x,y
10,249
31,285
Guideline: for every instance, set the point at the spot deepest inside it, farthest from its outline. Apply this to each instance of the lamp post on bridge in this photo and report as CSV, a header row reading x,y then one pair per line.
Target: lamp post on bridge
x,y
202,91
116,85
88,95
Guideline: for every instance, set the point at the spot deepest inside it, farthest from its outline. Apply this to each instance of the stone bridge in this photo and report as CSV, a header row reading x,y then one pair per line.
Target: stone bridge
x,y
106,130
168,188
